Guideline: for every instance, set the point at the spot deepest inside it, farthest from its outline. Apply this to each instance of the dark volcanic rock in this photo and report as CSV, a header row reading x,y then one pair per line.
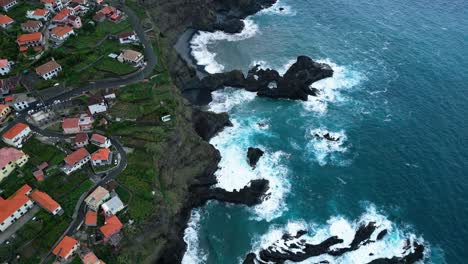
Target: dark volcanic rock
x,y
299,250
208,124
254,155
295,84
249,195
411,257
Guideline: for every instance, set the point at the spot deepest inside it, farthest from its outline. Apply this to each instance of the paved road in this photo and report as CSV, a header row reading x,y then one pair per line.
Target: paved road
x,y
146,71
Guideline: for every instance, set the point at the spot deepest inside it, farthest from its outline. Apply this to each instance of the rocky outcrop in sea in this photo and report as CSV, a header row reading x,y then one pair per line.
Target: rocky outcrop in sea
x,y
296,248
294,84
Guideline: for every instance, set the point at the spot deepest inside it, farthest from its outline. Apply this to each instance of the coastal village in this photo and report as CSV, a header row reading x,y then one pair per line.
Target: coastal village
x,y
65,188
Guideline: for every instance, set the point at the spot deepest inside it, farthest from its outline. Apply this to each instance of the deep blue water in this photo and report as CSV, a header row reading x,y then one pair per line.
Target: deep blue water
x,y
398,99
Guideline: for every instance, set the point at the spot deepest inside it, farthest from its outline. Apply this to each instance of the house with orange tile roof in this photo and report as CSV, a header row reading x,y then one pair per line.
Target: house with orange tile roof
x,y
97,197
101,157
90,258
17,135
15,206
31,26
6,21
53,5
5,67
91,218
81,140
38,14
111,227
29,40
108,12
7,4
71,125
10,158
75,160
5,111
46,202
49,70
66,248
61,33
62,16
100,141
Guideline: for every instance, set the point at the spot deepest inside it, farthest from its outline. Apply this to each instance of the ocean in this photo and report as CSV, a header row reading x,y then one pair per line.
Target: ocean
x,y
397,101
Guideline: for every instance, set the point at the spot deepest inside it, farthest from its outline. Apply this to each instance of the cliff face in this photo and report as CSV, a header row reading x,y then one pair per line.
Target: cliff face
x,y
174,17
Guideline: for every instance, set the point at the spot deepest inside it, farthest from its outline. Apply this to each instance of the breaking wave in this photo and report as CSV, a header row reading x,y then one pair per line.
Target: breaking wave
x,y
324,145
193,254
391,245
202,39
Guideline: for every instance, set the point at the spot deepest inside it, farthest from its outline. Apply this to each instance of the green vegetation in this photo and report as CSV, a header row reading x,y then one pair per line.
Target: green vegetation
x,y
37,237
39,152
84,56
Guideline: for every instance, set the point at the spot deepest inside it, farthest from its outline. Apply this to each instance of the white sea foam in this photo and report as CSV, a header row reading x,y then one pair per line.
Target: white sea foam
x,y
224,100
390,246
235,173
202,39
322,149
193,254
330,88
275,9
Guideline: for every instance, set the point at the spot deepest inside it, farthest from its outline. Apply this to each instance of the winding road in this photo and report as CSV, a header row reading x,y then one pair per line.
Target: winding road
x,y
145,72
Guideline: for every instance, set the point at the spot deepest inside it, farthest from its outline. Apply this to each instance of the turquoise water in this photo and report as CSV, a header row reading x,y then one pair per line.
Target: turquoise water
x,y
398,100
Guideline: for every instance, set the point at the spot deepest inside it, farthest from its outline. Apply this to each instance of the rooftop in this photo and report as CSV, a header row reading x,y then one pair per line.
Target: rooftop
x,y
47,67
36,36
15,130
61,31
98,138
4,19
91,218
6,2
131,54
101,154
76,156
9,154
3,63
65,246
81,137
44,200
70,123
64,13
32,24
97,196
111,226
40,12
14,202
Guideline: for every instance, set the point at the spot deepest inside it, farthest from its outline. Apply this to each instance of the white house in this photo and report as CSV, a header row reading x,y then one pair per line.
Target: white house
x,y
49,70
17,135
101,157
7,4
60,34
75,160
21,101
100,141
53,5
97,108
128,38
131,56
46,202
113,206
66,248
15,207
5,67
38,14
6,21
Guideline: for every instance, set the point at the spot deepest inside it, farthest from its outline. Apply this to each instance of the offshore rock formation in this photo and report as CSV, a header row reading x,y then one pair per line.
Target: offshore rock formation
x,y
295,248
254,155
294,84
208,124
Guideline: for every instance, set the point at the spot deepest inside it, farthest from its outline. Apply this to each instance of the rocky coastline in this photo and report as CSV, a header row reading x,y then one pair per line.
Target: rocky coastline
x,y
299,249
177,21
